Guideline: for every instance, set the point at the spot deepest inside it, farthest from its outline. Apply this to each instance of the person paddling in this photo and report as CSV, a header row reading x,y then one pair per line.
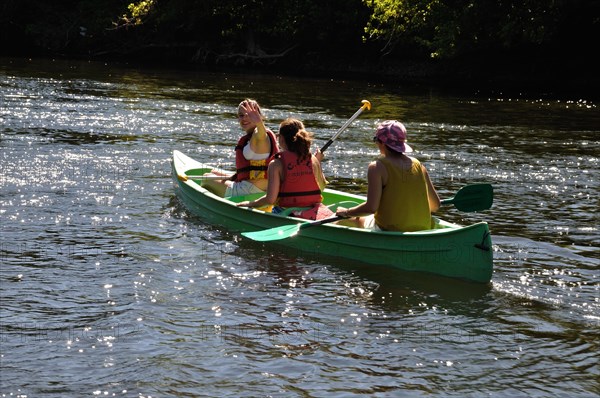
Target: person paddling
x,y
400,196
295,177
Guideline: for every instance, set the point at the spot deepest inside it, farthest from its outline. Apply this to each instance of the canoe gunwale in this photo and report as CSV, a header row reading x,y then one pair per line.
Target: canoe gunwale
x,y
436,248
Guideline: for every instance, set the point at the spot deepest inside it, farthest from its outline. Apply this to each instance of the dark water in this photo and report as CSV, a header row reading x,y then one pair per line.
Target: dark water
x,y
109,287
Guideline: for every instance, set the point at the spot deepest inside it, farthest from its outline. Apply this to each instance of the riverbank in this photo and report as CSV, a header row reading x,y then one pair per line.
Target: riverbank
x,y
479,75
482,74
536,49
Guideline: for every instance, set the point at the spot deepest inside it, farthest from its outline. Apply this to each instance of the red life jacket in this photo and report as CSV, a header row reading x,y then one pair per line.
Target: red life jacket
x,y
243,166
299,187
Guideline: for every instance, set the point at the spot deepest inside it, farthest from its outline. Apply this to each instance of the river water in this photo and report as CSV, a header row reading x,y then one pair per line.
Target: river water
x,y
110,287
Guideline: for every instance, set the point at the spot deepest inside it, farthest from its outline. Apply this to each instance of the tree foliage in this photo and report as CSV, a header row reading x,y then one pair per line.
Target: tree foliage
x,y
138,12
449,28
296,33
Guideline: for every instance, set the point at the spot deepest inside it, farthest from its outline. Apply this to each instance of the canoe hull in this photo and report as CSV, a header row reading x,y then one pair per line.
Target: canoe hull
x,y
463,252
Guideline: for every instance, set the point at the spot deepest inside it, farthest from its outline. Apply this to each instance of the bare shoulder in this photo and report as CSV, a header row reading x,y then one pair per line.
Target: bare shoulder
x,y
375,164
377,170
275,164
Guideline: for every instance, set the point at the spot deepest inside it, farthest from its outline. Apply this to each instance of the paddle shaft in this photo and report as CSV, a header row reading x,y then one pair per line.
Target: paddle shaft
x,y
474,197
366,104
320,222
286,231
469,198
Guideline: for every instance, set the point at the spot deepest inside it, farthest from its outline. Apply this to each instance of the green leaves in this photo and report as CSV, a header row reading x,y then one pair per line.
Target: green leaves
x,y
140,10
447,28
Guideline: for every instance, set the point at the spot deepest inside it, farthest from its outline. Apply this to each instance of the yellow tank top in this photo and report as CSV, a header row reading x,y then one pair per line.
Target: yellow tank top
x,y
404,204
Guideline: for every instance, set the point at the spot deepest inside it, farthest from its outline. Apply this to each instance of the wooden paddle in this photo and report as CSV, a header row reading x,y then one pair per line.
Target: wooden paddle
x,y
474,197
365,105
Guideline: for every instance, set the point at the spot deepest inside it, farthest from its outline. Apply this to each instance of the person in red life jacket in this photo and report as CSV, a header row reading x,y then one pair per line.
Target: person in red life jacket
x,y
295,177
253,153
400,194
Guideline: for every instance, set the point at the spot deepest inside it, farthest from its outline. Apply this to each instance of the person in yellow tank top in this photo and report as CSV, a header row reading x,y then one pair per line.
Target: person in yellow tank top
x,y
400,196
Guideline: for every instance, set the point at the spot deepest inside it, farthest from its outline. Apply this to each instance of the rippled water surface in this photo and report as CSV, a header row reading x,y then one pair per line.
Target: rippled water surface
x,y
110,287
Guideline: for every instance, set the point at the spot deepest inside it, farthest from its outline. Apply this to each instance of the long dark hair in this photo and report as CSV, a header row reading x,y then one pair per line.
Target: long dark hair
x,y
297,139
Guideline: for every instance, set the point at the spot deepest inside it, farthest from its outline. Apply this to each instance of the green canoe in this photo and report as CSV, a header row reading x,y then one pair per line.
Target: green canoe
x,y
451,250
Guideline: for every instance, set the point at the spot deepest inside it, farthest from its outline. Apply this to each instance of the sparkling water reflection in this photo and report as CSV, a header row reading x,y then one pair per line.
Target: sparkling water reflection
x,y
110,287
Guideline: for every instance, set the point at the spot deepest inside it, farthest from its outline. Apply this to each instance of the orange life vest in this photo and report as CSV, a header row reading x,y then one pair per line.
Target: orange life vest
x,y
243,166
299,187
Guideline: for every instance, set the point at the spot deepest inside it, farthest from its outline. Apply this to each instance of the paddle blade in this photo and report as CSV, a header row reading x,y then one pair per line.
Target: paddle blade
x,y
277,233
286,231
474,197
